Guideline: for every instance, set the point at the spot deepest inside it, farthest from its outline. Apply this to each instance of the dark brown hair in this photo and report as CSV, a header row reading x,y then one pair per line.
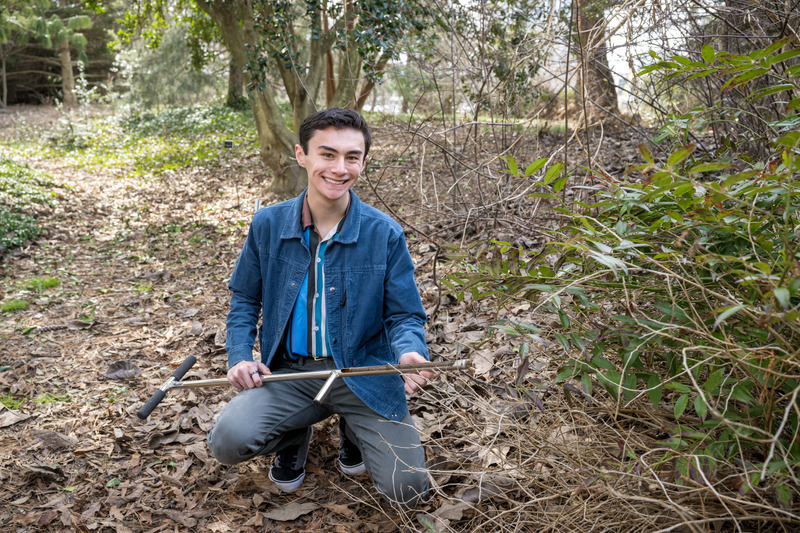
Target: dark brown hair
x,y
333,117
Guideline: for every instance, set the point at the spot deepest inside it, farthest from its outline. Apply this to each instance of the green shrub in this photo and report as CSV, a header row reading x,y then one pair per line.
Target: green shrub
x,y
16,229
681,288
20,186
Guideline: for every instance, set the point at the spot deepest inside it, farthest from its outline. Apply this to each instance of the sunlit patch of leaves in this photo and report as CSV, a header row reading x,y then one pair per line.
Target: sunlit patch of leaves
x,y
153,143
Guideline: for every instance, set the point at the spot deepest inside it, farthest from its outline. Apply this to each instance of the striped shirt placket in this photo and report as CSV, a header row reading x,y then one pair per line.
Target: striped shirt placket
x,y
317,319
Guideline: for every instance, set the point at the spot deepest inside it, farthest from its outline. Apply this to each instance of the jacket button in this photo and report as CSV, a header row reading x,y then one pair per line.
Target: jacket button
x,y
333,289
293,284
333,341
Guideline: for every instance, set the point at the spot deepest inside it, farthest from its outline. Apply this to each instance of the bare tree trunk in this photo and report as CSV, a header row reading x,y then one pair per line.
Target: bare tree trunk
x,y
275,140
4,101
67,78
235,84
599,81
349,68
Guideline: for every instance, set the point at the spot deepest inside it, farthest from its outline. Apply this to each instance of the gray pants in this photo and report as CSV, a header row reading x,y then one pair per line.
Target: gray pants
x,y
270,418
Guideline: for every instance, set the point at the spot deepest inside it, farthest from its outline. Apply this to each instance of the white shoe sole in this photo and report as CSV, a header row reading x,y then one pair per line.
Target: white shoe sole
x,y
353,470
288,486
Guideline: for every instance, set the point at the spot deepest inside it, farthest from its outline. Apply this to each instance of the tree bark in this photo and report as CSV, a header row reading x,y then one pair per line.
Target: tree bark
x,y
235,84
67,77
275,140
4,101
597,78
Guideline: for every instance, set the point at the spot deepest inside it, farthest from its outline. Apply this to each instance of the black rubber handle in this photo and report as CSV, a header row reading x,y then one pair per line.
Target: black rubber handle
x,y
156,398
184,368
151,404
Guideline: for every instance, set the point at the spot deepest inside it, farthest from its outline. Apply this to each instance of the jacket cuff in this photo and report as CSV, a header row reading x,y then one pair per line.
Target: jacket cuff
x,y
237,354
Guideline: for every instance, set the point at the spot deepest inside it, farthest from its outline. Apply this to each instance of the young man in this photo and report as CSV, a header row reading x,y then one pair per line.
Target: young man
x,y
334,283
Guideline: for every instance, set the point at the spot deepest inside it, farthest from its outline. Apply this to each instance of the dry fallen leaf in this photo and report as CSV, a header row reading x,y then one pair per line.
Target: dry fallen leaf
x,y
125,369
9,418
291,511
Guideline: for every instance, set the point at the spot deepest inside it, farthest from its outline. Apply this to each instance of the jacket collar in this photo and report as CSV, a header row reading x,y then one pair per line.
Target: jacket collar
x,y
293,226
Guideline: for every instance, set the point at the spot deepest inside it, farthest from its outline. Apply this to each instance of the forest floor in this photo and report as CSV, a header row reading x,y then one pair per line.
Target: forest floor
x,y
142,264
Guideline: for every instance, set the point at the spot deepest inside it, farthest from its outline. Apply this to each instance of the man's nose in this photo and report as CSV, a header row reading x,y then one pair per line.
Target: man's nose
x,y
339,165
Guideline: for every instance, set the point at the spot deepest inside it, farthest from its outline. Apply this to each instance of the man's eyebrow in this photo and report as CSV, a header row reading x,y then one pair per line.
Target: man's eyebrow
x,y
330,149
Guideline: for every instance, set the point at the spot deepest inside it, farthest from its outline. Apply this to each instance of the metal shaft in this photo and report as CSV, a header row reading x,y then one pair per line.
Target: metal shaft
x,y
174,382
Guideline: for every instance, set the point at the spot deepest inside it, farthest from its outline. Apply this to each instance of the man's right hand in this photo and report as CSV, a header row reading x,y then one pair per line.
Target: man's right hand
x,y
247,374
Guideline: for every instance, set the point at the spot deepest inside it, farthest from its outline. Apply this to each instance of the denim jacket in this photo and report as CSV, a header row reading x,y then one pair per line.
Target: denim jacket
x,y
374,310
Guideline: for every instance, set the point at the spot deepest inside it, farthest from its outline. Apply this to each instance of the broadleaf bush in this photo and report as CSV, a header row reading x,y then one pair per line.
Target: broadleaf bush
x,y
678,289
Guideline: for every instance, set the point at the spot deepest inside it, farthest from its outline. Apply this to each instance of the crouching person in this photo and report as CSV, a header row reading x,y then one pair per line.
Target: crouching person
x,y
334,284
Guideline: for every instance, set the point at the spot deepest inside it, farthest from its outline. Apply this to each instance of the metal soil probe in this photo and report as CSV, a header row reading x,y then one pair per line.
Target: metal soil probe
x,y
330,376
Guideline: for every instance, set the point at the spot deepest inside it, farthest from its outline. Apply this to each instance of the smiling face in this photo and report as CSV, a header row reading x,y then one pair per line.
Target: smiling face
x,y
334,161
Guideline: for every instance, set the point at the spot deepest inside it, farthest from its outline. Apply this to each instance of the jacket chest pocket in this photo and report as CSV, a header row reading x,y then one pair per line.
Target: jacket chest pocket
x,y
363,302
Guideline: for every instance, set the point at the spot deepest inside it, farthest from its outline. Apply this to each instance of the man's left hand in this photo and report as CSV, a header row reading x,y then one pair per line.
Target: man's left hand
x,y
414,382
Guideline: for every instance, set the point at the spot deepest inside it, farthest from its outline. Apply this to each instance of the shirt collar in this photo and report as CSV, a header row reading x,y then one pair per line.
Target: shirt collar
x,y
307,220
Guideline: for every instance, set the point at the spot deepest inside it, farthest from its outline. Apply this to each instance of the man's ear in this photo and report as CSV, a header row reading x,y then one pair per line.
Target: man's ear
x,y
300,155
366,162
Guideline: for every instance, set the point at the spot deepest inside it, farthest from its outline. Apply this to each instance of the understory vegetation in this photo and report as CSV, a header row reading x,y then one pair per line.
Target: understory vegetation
x,y
632,316
677,288
21,189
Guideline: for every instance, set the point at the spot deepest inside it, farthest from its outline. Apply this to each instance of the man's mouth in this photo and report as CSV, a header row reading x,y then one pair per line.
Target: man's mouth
x,y
335,182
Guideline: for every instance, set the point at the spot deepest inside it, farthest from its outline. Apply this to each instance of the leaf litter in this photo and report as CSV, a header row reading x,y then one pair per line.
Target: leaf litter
x,y
143,265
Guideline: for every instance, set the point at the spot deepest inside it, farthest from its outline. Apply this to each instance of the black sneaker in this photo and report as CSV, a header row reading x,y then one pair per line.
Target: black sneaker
x,y
289,467
350,461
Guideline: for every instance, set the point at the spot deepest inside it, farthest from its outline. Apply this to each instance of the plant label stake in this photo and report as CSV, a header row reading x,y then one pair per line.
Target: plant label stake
x,y
330,376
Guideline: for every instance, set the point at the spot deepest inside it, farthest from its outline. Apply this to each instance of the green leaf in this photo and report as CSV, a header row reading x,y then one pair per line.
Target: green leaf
x,y
512,165
709,167
783,495
545,195
680,154
758,54
741,176
709,56
564,318
565,373
113,482
629,390
655,390
700,407
536,165
610,381
771,90
714,380
744,77
558,185
782,295
601,362
680,387
740,393
783,56
586,384
646,154
727,312
552,173
680,405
